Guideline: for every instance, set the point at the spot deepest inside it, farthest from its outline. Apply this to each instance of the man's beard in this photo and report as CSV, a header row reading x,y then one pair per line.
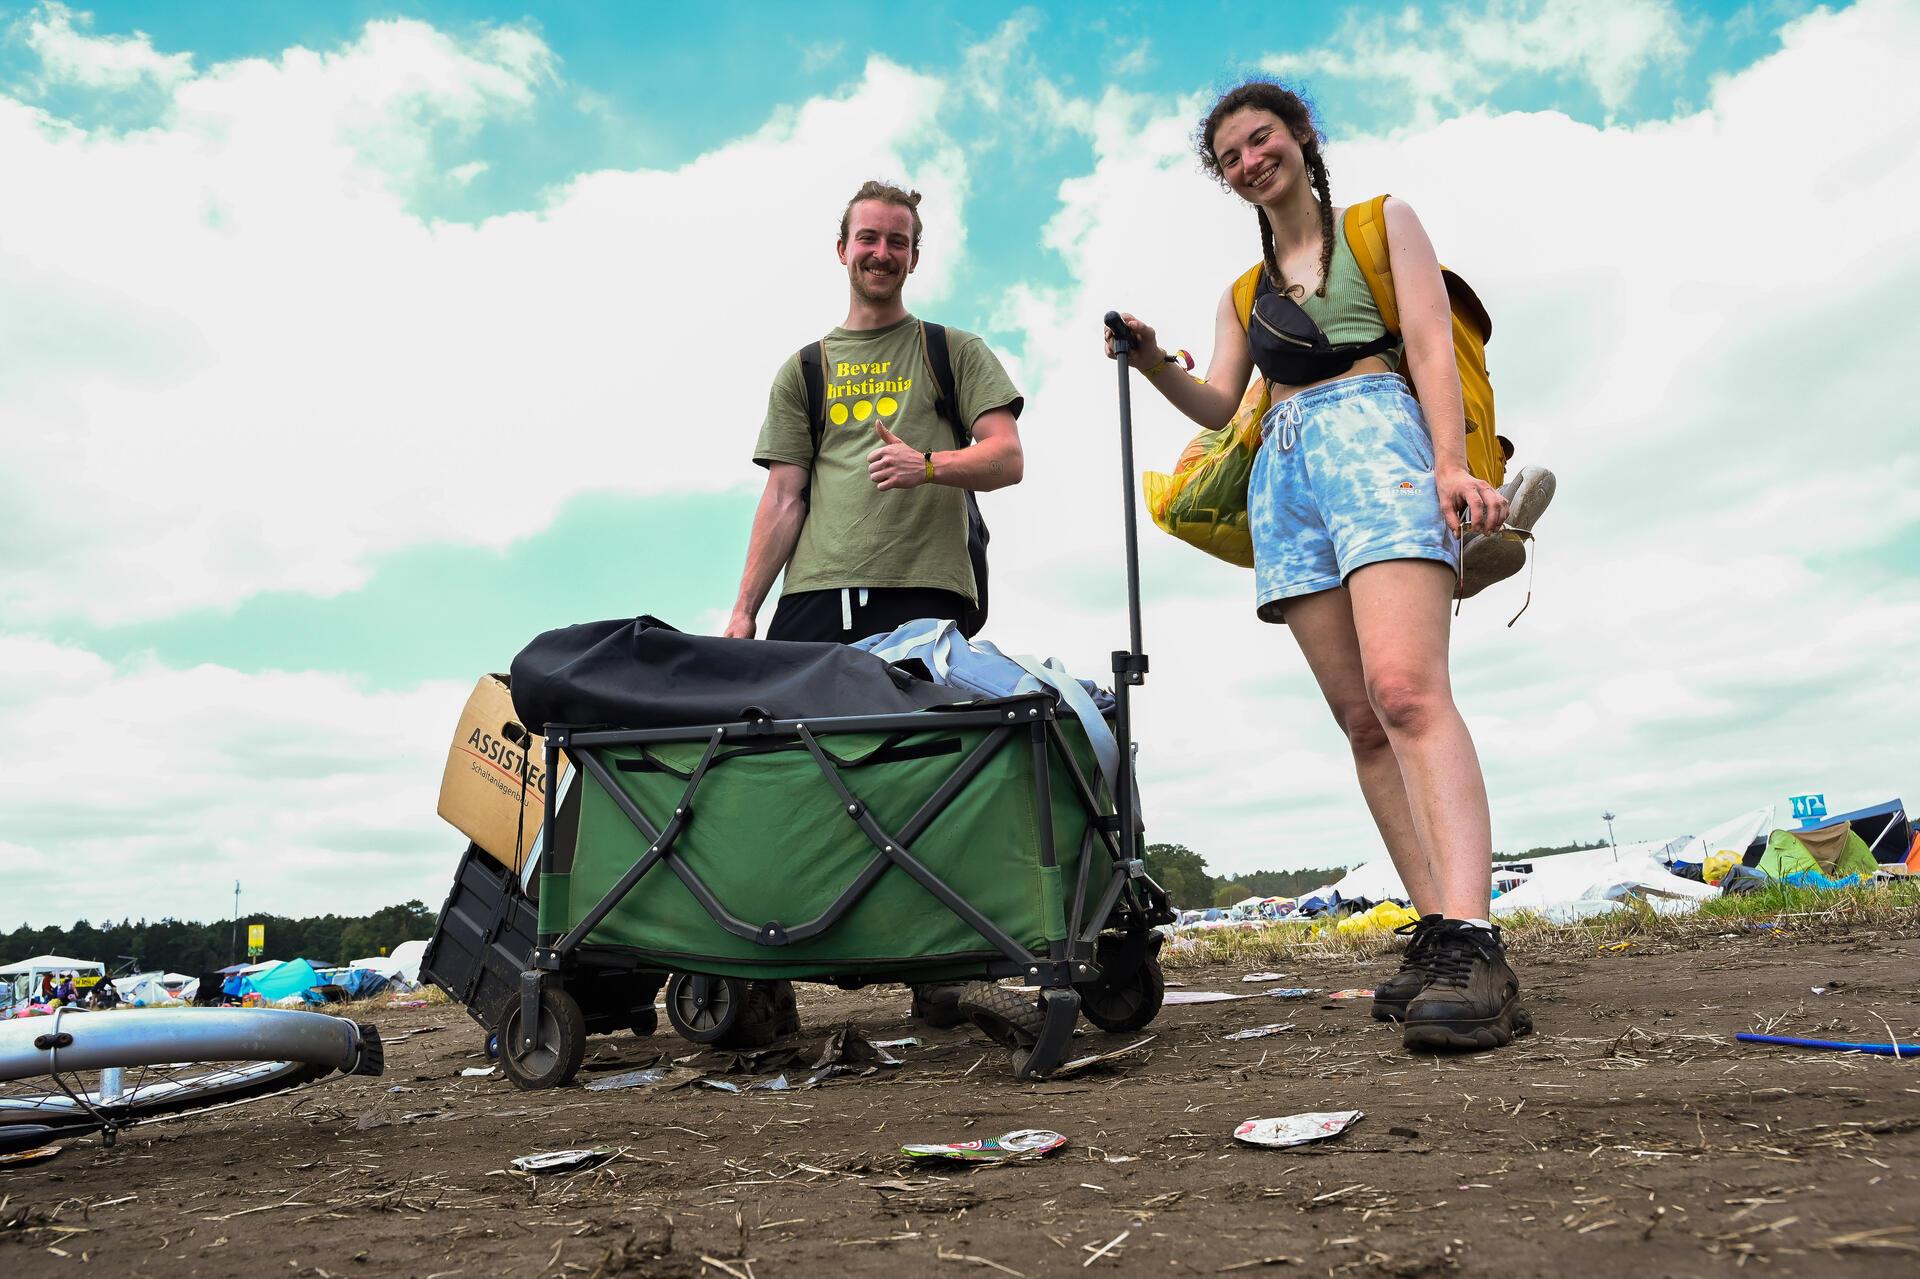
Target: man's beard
x,y
868,292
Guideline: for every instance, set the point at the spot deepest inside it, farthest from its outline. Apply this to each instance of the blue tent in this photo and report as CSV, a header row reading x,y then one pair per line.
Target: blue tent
x,y
295,977
361,983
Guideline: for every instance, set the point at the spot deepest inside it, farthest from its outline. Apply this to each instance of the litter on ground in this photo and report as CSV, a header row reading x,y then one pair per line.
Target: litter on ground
x,y
1024,1143
1260,1032
563,1160
1296,1130
1888,1049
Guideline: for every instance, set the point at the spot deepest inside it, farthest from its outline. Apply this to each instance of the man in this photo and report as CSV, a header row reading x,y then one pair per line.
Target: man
x,y
869,523
871,527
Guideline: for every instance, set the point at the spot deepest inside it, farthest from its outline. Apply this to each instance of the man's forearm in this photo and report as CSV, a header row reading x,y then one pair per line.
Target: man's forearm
x,y
982,467
776,529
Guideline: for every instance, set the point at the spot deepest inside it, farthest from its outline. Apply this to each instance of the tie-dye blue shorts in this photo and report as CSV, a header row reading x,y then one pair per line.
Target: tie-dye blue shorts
x,y
1344,478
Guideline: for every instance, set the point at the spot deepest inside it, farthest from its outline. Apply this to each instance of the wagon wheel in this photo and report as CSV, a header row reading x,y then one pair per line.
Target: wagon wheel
x,y
560,1042
1122,1005
644,1021
704,1009
1011,1018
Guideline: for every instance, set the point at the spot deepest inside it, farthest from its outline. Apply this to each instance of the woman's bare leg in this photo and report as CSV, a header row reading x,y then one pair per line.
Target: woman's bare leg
x,y
1400,619
1322,624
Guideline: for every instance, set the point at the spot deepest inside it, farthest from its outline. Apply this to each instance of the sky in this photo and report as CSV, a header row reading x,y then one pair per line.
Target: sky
x,y
346,347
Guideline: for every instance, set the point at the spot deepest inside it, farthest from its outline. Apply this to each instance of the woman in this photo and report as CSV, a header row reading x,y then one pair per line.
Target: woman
x,y
1357,503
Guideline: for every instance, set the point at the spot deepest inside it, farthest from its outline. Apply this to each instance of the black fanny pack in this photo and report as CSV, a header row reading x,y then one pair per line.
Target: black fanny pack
x,y
1289,348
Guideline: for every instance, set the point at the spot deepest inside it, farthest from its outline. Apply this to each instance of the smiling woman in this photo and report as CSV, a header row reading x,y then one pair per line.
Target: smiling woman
x,y
1356,504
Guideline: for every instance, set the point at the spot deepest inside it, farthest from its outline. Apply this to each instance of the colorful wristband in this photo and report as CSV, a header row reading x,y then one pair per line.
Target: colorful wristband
x,y
929,457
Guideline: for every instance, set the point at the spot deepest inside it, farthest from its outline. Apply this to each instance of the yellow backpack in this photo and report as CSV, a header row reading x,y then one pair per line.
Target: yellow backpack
x,y
1487,453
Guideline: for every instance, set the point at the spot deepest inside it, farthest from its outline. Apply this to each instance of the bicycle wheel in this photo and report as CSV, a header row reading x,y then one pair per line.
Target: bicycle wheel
x,y
65,1075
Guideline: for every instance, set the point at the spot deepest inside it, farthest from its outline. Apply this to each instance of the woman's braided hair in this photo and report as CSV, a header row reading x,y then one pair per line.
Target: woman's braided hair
x,y
1293,111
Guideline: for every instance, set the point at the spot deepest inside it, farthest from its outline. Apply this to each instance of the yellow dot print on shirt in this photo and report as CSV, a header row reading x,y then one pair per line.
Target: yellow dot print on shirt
x,y
837,415
862,410
888,406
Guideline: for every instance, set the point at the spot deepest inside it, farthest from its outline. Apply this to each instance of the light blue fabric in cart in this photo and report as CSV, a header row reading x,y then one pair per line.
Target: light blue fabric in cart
x,y
977,666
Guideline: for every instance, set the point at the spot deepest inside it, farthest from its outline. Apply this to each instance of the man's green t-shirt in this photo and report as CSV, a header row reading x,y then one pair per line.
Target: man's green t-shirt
x,y
856,535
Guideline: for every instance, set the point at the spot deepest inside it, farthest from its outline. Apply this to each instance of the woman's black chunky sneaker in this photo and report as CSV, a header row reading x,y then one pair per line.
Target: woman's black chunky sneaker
x,y
1391,997
1472,1000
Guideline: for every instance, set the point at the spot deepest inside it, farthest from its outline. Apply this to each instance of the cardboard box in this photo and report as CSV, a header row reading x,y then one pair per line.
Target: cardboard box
x,y
493,789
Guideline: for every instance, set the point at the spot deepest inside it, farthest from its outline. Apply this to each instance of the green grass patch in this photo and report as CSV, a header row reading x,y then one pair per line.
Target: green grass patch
x,y
1778,910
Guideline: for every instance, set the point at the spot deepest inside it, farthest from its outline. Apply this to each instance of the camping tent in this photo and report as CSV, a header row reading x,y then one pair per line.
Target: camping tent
x,y
1734,835
1886,828
1832,852
408,955
20,983
276,981
149,990
1375,881
1577,885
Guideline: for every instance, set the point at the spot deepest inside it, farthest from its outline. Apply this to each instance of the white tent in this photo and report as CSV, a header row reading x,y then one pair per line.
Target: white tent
x,y
1733,836
147,990
1377,881
386,965
408,955
1578,885
21,982
51,964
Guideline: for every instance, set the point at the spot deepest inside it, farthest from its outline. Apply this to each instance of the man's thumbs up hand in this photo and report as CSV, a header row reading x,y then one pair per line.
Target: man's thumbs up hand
x,y
895,464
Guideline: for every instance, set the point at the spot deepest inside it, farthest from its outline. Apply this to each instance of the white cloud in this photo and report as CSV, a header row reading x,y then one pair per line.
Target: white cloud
x,y
242,363
1450,64
142,791
70,56
1726,434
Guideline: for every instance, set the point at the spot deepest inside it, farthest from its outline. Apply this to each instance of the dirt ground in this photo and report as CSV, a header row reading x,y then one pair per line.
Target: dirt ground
x,y
1631,1136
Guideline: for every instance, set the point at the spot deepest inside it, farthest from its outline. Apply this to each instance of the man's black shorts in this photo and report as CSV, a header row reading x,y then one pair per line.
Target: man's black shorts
x,y
817,615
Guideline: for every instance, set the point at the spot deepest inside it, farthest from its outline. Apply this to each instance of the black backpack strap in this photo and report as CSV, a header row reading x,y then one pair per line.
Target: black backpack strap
x,y
813,371
933,339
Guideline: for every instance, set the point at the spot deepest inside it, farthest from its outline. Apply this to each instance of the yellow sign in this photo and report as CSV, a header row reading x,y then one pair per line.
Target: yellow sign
x,y
256,936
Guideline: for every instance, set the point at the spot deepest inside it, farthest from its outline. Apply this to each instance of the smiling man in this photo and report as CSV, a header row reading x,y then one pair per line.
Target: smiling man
x,y
868,471
865,506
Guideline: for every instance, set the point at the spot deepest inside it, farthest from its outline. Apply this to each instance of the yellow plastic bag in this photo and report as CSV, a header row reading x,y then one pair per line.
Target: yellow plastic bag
x,y
1718,865
1204,501
1381,918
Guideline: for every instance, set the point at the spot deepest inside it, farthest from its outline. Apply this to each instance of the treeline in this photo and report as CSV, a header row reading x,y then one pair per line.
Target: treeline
x,y
177,945
1183,873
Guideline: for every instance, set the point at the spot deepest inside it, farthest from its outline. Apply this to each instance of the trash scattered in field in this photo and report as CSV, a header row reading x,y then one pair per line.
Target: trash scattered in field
x,y
1080,1064
1201,997
1888,1049
1260,1032
476,1072
1818,990
409,1034
848,1047
1351,994
779,1083
21,1158
651,1077
1291,992
1025,1143
911,1041
1263,977
563,1160
1296,1130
